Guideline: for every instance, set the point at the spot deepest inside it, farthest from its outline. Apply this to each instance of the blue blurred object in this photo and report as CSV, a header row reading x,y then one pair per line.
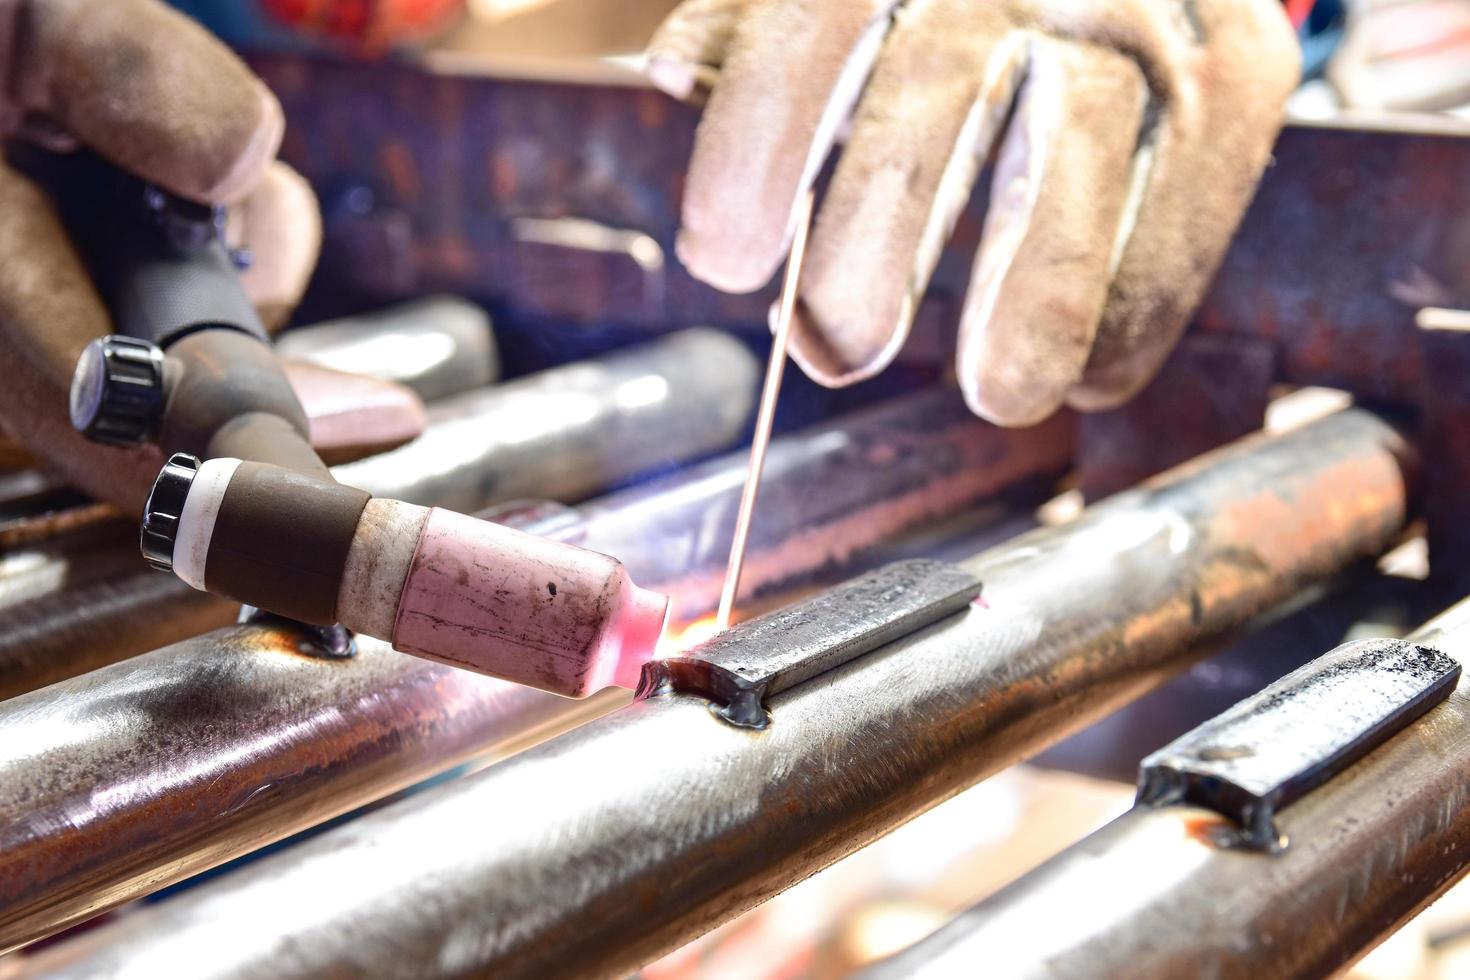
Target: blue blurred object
x,y
241,24
1321,35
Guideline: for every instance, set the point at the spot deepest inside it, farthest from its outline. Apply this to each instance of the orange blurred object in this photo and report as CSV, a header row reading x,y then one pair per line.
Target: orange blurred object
x,y
370,25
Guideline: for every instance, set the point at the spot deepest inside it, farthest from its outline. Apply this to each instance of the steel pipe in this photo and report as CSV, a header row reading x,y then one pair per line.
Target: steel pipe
x,y
1156,894
829,492
170,763
84,600
439,346
570,430
565,433
600,849
32,508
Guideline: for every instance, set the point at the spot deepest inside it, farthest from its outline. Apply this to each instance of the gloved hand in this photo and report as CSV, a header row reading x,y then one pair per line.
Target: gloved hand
x,y
1128,136
153,92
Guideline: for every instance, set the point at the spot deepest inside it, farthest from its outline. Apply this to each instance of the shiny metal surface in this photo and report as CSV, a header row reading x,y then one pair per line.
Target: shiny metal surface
x,y
123,780
208,780
567,432
438,346
70,606
1367,851
85,599
602,848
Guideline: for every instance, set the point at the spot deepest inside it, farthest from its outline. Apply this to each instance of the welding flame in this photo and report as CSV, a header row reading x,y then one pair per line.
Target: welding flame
x,y
677,640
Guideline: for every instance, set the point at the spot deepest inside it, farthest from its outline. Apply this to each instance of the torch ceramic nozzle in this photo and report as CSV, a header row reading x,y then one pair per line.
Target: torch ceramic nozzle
x,y
525,608
434,583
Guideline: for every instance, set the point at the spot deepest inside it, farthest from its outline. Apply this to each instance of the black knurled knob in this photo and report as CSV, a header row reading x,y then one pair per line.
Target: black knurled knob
x,y
117,390
164,508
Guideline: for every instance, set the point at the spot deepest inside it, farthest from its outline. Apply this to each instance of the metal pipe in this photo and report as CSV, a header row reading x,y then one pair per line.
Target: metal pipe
x,y
172,762
34,509
563,434
85,600
565,431
599,850
830,491
439,346
1156,894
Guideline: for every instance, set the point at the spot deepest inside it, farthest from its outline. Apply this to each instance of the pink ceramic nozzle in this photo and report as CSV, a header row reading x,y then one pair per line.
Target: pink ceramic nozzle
x,y
636,632
525,608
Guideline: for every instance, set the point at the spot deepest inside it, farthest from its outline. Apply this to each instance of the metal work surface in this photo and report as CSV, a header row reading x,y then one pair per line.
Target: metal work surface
x,y
74,605
1319,290
605,847
1270,749
739,669
362,743
1154,894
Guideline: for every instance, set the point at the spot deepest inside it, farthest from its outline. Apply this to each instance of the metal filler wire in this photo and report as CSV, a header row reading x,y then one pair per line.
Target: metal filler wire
x,y
775,370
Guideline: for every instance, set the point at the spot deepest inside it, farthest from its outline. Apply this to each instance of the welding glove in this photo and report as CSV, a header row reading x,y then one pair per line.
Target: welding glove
x,y
1127,137
152,91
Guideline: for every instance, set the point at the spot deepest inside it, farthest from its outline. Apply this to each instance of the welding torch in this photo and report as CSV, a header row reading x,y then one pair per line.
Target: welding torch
x,y
246,509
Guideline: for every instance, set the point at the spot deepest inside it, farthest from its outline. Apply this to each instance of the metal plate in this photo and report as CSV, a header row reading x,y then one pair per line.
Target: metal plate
x,y
743,666
1281,743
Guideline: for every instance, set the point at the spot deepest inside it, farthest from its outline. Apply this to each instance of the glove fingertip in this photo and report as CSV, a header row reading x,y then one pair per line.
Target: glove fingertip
x,y
714,260
245,171
833,358
1004,405
351,415
1010,381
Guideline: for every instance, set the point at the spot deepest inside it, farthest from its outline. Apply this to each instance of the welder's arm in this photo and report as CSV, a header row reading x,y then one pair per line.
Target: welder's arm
x,y
154,93
1127,140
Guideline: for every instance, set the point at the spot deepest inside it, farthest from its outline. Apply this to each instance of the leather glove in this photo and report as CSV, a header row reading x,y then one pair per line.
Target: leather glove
x,y
153,92
1126,136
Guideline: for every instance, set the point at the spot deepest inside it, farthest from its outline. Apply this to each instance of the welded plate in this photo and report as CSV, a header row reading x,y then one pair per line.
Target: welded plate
x,y
743,666
1279,744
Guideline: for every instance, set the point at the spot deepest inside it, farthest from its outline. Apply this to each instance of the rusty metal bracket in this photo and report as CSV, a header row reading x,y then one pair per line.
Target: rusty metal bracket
x,y
742,667
1281,743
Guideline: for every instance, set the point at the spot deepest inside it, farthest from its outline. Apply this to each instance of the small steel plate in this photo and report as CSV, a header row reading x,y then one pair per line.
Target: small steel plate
x,y
1278,745
742,667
